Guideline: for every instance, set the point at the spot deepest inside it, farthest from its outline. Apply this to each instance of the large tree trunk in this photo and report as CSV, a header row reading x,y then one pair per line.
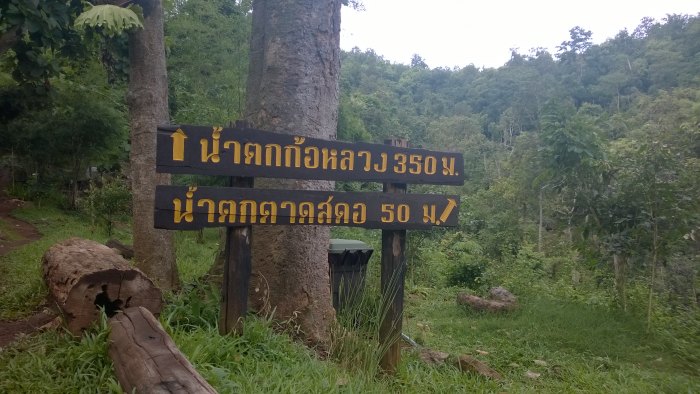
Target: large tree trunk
x,y
82,275
148,107
146,360
293,87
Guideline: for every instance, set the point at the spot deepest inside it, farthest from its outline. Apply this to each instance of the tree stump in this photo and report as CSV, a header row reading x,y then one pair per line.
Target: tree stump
x,y
146,359
84,275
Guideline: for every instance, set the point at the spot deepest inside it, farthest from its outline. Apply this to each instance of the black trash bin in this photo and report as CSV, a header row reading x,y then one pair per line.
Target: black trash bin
x,y
347,261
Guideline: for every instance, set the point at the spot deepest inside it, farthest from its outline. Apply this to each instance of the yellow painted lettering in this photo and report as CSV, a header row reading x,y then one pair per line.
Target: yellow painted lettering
x,y
415,163
381,166
430,166
329,159
388,210
368,159
400,166
429,213
448,166
204,143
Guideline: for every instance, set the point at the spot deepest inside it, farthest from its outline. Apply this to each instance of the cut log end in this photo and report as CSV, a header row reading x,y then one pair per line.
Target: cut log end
x,y
83,276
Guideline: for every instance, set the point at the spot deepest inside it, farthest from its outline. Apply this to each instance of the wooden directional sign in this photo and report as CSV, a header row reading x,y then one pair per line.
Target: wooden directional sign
x,y
188,208
247,152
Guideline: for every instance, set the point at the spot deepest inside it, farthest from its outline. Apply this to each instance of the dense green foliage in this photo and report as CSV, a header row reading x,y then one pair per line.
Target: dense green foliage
x,y
207,59
52,139
592,153
39,34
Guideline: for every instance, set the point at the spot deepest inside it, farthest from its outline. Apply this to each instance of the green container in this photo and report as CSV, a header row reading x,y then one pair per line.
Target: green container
x,y
347,263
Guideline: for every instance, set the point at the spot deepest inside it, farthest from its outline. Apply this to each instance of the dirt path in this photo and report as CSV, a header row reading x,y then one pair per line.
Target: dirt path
x,y
13,234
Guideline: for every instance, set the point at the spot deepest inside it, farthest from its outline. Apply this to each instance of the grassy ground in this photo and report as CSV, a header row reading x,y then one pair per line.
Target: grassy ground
x,y
578,348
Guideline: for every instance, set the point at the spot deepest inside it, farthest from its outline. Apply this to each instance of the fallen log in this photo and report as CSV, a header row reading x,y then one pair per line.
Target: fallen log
x,y
124,250
482,304
84,275
468,363
146,359
464,363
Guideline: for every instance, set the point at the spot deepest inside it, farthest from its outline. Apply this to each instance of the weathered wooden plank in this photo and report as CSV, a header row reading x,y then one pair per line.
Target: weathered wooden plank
x,y
243,151
189,208
146,360
393,271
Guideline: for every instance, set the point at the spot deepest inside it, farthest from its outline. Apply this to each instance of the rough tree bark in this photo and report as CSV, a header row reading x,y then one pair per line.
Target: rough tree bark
x,y
148,106
82,275
293,87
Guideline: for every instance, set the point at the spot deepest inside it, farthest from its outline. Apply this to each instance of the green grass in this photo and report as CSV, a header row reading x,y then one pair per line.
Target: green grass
x,y
586,349
21,286
55,362
194,259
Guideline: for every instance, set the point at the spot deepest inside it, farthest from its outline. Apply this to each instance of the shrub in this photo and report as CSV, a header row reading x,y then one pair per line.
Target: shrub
x,y
108,201
467,274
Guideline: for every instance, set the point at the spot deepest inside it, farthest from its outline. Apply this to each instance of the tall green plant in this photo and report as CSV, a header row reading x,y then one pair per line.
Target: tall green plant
x,y
108,201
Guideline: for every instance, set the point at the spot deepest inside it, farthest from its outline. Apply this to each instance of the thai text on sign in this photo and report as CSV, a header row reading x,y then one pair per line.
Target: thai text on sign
x,y
241,151
187,208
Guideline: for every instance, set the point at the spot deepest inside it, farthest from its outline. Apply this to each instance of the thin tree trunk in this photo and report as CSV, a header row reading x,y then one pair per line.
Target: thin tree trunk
x,y
8,39
569,227
293,87
539,231
74,184
655,254
154,252
619,267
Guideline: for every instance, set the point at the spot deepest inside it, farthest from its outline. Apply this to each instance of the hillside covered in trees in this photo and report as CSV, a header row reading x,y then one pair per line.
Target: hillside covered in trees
x,y
593,150
583,166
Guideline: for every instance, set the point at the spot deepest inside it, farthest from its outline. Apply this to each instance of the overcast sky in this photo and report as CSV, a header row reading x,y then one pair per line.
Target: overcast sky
x,y
449,33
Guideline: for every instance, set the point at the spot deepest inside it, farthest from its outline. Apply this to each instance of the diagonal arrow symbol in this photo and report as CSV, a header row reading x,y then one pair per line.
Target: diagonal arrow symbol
x,y
451,205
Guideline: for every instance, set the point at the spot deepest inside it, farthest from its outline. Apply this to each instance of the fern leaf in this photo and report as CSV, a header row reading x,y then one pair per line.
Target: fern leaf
x,y
112,19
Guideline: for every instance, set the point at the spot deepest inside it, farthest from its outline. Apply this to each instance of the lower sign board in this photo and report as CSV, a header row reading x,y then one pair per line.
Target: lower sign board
x,y
189,208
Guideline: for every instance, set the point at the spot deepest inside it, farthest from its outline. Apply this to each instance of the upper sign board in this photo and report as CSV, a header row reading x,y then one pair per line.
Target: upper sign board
x,y
240,151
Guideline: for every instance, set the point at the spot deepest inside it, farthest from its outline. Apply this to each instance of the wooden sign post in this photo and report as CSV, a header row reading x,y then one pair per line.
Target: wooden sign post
x,y
237,265
237,268
392,283
245,153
